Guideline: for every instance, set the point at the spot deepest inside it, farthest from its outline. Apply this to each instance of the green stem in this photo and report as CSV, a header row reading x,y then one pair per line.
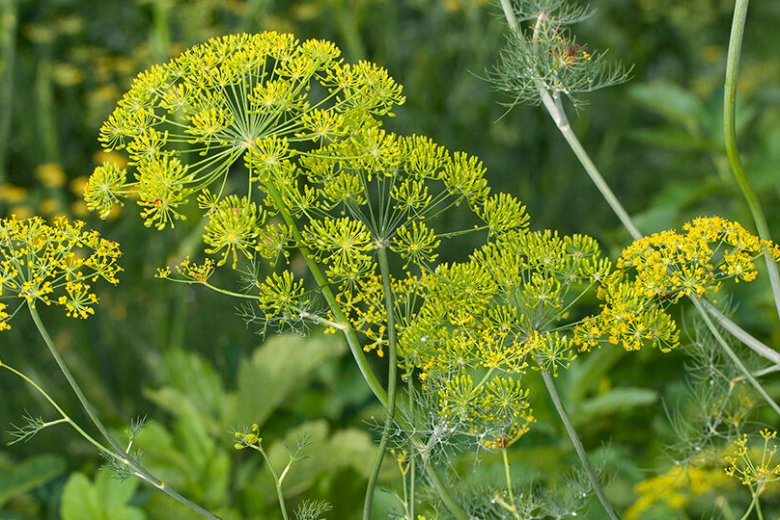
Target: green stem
x,y
139,470
734,358
730,133
752,505
742,335
8,24
354,343
322,282
508,475
411,487
277,483
552,103
509,14
392,359
62,413
555,108
577,443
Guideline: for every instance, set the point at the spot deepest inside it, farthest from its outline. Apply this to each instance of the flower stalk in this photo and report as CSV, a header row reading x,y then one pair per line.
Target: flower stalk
x,y
578,447
730,134
117,452
392,370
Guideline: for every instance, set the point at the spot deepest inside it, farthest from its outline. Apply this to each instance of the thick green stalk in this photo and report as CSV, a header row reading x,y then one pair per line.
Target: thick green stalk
x,y
8,24
138,470
734,358
577,443
392,359
730,134
354,343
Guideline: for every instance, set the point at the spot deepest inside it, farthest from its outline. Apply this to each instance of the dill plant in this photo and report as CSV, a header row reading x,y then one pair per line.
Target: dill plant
x,y
275,148
318,179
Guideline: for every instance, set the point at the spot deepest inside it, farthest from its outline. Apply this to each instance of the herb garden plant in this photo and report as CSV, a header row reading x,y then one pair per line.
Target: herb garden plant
x,y
310,215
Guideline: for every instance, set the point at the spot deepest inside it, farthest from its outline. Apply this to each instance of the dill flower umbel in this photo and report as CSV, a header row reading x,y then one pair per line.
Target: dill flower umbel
x,y
659,270
54,264
185,123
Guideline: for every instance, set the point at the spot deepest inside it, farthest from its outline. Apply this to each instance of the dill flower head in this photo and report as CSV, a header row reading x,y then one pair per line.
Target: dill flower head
x,y
184,124
52,263
659,270
752,461
483,323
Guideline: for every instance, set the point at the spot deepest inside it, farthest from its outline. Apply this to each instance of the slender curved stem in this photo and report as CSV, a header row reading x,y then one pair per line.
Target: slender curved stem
x,y
577,443
62,413
277,481
508,475
735,330
555,108
730,134
330,298
734,358
392,359
118,451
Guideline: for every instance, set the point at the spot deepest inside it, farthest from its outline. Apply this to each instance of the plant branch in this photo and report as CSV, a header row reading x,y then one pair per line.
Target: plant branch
x,y
392,359
62,413
730,134
577,443
119,452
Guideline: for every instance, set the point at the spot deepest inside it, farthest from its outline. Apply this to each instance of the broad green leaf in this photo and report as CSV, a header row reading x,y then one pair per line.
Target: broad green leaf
x,y
194,377
28,475
281,366
670,100
105,499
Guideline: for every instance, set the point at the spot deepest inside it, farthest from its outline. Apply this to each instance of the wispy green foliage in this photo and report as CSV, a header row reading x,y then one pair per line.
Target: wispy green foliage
x,y
546,57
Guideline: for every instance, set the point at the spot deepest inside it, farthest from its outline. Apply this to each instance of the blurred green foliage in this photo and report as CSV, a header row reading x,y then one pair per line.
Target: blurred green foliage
x,y
184,357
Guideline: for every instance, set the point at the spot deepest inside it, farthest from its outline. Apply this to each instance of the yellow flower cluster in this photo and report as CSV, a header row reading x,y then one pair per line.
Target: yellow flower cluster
x,y
185,123
676,488
658,270
53,263
672,265
249,440
484,322
740,462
